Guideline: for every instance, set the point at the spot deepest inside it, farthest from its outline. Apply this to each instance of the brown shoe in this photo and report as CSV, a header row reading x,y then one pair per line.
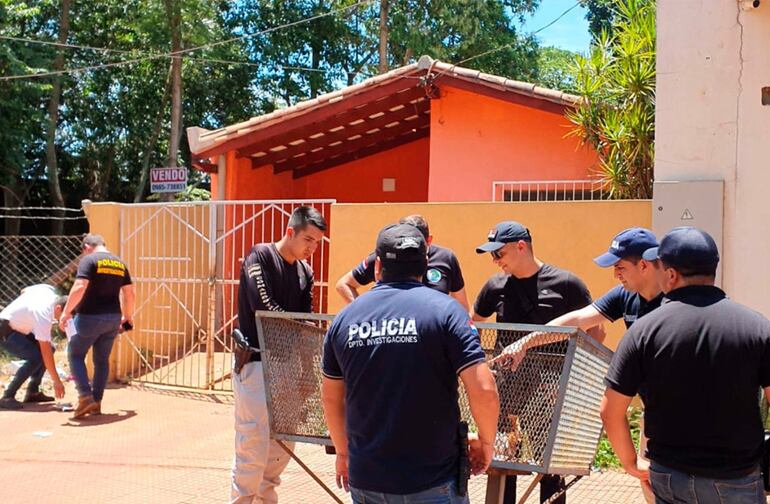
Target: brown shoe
x,y
98,409
86,405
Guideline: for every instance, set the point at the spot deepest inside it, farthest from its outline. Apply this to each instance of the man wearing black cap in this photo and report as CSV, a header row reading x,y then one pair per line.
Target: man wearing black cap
x,y
527,291
697,362
443,273
390,363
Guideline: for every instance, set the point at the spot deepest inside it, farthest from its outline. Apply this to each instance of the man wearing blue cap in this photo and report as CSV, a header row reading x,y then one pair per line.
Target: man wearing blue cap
x,y
527,291
637,295
697,362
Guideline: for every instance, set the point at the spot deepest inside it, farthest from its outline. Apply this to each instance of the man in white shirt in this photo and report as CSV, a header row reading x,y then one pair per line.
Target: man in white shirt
x,y
25,332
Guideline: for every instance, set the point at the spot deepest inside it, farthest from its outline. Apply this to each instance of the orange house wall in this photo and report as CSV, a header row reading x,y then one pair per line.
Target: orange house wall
x,y
476,140
359,181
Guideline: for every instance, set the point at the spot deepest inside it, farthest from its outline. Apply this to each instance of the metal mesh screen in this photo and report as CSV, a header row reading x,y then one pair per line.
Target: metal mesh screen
x,y
549,404
29,260
291,359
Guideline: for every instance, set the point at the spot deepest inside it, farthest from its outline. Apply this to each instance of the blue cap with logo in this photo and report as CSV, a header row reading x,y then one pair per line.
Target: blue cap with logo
x,y
686,247
504,232
631,242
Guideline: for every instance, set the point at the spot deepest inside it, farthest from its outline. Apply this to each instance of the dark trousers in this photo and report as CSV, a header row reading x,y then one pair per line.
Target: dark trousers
x,y
25,347
549,485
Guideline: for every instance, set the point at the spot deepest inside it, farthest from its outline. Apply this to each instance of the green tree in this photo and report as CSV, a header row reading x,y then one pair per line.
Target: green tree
x,y
556,69
617,114
600,15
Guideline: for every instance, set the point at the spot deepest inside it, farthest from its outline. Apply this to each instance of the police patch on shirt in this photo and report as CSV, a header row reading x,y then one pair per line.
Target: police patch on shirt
x,y
433,275
383,331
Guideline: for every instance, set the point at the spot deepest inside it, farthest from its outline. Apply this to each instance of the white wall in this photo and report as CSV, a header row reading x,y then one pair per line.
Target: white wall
x,y
713,60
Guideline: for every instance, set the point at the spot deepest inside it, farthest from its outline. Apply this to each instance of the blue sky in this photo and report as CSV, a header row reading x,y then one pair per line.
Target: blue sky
x,y
570,32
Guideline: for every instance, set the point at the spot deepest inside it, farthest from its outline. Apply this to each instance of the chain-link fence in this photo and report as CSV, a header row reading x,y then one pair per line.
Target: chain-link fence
x,y
549,404
38,245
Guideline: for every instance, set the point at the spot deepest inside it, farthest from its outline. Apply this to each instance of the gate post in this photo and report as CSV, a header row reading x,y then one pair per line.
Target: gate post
x,y
212,295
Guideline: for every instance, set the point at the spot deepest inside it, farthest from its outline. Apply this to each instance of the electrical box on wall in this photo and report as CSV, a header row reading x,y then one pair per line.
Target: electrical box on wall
x,y
697,203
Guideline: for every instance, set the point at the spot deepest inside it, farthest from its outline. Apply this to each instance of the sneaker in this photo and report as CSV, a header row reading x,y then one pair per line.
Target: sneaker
x,y
86,405
37,397
10,403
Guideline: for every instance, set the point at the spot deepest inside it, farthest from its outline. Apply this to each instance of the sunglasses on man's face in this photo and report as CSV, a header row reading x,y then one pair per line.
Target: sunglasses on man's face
x,y
497,254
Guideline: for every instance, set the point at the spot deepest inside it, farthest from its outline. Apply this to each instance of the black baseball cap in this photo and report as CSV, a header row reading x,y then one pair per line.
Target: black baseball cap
x,y
401,243
686,247
504,232
629,242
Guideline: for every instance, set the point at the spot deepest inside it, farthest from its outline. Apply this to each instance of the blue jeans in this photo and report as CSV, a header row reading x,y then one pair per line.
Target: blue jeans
x,y
442,494
671,486
28,349
97,331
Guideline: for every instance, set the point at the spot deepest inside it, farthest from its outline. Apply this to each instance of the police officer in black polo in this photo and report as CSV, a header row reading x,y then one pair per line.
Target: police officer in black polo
x,y
527,291
443,274
697,362
391,364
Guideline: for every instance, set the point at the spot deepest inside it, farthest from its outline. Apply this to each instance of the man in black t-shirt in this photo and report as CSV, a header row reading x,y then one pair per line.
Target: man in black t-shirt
x,y
443,273
274,277
697,362
101,299
527,291
391,364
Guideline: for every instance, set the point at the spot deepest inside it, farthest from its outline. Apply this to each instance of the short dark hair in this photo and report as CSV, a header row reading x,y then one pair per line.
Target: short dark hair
x,y
397,272
60,300
417,221
93,240
706,270
633,259
305,216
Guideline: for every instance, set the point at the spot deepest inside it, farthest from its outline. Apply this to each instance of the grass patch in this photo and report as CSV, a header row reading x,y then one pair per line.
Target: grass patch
x,y
605,456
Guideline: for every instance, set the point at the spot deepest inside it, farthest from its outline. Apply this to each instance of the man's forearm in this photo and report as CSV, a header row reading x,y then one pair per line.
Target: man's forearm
x,y
619,434
485,409
48,361
334,411
127,302
75,296
347,292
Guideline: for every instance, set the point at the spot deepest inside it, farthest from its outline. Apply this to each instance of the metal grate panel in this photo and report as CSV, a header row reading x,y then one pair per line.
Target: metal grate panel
x,y
549,411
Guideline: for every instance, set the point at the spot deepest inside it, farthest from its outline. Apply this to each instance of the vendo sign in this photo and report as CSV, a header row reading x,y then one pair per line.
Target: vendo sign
x,y
164,180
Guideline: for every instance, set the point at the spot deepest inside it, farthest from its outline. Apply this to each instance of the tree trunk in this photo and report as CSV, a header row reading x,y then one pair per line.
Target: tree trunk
x,y
384,36
174,12
54,188
12,199
151,143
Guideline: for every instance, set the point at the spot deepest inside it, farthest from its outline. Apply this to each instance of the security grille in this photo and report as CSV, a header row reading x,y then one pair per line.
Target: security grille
x,y
549,412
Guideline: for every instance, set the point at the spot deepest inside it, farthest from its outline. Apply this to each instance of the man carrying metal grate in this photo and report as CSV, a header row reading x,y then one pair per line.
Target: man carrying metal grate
x,y
527,291
638,294
274,277
390,391
697,362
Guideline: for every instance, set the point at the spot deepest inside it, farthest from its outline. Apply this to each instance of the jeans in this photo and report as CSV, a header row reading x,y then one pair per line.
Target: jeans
x,y
671,486
442,494
28,349
99,332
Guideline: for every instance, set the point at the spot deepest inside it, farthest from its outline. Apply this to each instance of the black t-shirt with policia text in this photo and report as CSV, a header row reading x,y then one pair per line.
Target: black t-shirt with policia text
x,y
106,274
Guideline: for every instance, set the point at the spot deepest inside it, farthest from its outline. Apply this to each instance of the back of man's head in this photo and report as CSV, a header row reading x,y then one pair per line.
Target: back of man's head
x,y
690,251
402,251
93,240
417,221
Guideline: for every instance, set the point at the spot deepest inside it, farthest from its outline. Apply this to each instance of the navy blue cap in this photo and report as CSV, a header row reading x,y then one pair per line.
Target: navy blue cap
x,y
629,242
399,243
686,247
504,232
